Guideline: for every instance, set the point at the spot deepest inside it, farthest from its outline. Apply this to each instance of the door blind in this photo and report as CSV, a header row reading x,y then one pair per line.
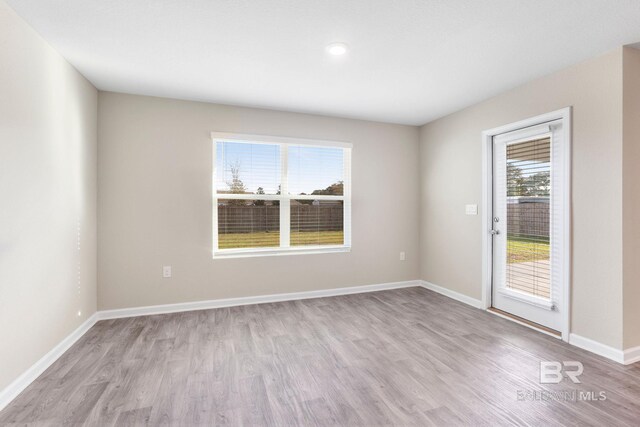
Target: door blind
x,y
528,187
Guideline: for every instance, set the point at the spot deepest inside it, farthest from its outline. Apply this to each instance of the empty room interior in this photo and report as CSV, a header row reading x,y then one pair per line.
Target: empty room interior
x,y
319,212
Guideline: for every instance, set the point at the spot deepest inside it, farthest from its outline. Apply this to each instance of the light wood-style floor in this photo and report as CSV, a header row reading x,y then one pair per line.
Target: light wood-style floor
x,y
401,357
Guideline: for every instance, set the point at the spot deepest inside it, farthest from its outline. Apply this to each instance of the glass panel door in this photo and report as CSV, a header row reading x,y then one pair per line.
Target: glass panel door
x,y
528,196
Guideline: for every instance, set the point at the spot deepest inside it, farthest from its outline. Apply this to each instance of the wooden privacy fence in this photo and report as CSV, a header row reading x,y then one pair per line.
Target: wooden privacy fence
x,y
528,217
253,219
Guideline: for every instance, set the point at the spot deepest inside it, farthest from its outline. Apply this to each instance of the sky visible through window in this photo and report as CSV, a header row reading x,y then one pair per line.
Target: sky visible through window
x,y
258,166
529,167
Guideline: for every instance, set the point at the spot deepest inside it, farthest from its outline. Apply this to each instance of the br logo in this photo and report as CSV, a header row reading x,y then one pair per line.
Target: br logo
x,y
554,372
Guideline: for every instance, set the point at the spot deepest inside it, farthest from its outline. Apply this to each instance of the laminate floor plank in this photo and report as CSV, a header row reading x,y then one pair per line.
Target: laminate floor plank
x,y
399,357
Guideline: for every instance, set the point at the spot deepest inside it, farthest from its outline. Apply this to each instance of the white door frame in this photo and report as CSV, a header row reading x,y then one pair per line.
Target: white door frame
x,y
487,207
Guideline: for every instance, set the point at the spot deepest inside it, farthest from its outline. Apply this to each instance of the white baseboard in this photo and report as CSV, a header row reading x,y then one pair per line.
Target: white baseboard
x,y
231,302
452,294
596,347
632,355
626,357
19,384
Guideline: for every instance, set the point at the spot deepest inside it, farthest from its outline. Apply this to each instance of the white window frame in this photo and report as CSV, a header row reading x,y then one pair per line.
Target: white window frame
x,y
284,198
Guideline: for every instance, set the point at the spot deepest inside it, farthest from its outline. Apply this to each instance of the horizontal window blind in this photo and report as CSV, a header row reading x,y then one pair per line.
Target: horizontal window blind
x,y
315,170
244,168
528,217
317,222
248,224
280,196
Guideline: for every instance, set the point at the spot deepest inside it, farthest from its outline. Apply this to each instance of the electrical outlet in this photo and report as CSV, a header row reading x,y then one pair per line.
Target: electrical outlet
x,y
166,271
402,256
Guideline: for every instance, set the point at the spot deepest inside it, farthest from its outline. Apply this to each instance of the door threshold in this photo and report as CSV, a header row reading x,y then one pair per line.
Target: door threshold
x,y
525,322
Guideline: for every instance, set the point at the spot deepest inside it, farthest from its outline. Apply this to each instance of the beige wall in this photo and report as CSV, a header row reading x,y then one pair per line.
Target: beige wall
x,y
154,187
631,202
48,193
451,175
154,181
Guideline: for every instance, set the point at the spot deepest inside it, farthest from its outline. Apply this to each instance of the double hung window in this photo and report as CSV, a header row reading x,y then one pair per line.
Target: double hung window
x,y
276,196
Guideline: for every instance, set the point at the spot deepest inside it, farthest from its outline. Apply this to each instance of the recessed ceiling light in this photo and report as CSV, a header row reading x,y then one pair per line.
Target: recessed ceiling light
x,y
337,48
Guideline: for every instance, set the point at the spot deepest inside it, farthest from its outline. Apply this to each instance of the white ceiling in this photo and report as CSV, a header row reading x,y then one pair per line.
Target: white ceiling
x,y
411,61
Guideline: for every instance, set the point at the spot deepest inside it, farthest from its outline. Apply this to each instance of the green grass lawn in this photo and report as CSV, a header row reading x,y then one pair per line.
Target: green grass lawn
x,y
524,250
272,239
519,249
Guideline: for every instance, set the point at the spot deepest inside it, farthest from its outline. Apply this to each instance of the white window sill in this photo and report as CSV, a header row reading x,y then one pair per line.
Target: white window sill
x,y
300,250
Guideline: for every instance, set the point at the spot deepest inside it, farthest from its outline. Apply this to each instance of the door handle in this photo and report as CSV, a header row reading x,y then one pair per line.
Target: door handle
x,y
494,232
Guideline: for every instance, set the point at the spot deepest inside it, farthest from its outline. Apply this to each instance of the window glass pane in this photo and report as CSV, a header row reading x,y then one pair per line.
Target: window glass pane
x,y
315,170
248,223
528,217
247,168
317,222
